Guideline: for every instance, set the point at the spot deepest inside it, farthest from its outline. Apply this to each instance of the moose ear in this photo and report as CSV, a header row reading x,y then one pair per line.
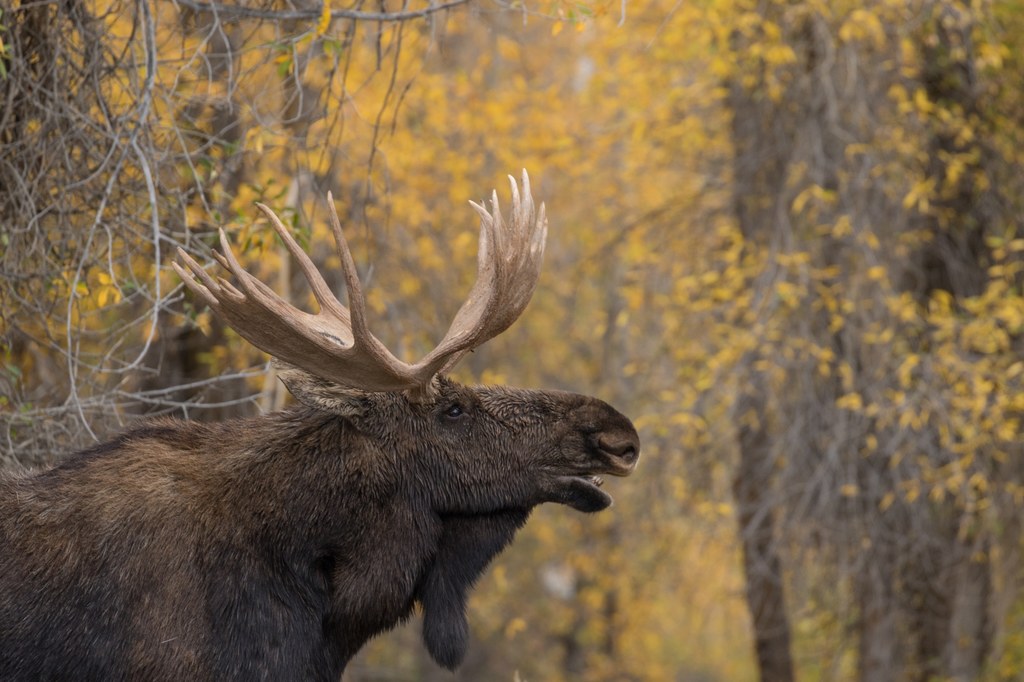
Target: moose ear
x,y
320,394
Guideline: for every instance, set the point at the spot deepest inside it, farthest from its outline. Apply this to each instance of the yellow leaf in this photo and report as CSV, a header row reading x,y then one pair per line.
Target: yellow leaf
x,y
862,25
778,55
325,18
850,401
557,27
906,369
107,294
514,627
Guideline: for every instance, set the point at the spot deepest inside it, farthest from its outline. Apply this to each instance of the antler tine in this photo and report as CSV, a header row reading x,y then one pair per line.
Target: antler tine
x,y
508,267
202,288
257,313
362,340
321,292
354,288
538,228
227,260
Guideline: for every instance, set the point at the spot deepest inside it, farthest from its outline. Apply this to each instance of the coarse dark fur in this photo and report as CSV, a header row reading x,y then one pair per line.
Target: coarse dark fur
x,y
274,548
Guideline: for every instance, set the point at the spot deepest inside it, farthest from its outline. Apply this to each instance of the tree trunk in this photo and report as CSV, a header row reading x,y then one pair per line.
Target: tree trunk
x,y
878,641
761,140
761,565
969,632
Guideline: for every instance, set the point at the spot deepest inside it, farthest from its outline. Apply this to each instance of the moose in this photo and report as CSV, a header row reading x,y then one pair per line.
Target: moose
x,y
273,548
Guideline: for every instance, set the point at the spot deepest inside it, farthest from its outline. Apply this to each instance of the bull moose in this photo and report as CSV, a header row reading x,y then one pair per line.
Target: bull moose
x,y
273,548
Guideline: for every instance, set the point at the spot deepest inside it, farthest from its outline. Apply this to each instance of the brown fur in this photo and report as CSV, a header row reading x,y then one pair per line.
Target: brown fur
x,y
273,548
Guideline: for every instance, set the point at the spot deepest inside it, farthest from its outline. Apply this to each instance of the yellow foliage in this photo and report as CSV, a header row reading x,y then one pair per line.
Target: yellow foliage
x,y
651,293
324,22
850,401
863,24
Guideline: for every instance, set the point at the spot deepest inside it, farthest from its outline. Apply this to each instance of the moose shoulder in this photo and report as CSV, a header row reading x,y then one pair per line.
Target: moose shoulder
x,y
274,548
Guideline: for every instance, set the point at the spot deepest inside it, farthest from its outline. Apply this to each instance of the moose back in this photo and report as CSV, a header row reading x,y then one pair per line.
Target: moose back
x,y
273,548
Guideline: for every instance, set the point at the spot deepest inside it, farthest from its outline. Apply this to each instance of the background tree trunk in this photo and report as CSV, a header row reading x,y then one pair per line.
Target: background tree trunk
x,y
762,566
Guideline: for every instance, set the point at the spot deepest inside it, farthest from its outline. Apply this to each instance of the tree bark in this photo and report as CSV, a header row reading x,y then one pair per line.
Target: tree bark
x,y
761,140
878,641
969,639
761,565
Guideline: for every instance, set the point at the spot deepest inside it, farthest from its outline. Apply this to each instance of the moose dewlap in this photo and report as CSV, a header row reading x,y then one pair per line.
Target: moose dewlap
x,y
273,548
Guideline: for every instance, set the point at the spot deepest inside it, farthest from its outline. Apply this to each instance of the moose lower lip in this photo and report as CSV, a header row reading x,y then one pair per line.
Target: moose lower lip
x,y
589,479
581,492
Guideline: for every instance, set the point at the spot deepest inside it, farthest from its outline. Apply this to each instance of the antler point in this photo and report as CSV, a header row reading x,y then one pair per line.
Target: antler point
x,y
178,269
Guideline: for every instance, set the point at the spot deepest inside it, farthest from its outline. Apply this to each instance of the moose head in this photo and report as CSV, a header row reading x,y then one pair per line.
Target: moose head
x,y
275,547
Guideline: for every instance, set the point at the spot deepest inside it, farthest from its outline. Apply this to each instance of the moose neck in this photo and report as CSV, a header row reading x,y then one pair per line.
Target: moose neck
x,y
333,516
323,486
400,552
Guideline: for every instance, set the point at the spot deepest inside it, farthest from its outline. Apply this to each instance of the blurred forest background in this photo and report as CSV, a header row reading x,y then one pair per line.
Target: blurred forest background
x,y
786,238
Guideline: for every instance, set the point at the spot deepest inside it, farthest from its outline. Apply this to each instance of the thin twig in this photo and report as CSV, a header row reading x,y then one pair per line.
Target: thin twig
x,y
236,13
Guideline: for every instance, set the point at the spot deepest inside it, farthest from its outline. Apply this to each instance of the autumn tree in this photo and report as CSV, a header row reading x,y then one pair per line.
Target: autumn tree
x,y
133,128
785,239
878,204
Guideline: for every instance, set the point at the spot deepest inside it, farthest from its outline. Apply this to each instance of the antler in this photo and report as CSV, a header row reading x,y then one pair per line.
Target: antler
x,y
336,343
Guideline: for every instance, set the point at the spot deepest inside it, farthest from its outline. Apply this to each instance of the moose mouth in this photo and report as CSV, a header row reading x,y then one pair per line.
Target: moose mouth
x,y
582,492
612,453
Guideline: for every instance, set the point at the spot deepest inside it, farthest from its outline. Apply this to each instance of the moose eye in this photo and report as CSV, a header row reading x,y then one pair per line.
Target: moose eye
x,y
454,411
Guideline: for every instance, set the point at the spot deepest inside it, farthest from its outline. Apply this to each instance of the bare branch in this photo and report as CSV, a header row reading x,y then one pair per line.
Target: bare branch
x,y
228,13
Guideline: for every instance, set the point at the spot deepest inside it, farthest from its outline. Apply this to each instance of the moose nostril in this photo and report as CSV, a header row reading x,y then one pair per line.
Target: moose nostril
x,y
623,448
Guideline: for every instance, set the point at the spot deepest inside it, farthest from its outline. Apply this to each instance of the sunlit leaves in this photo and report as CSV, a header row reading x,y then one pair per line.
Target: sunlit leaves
x,y
888,395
